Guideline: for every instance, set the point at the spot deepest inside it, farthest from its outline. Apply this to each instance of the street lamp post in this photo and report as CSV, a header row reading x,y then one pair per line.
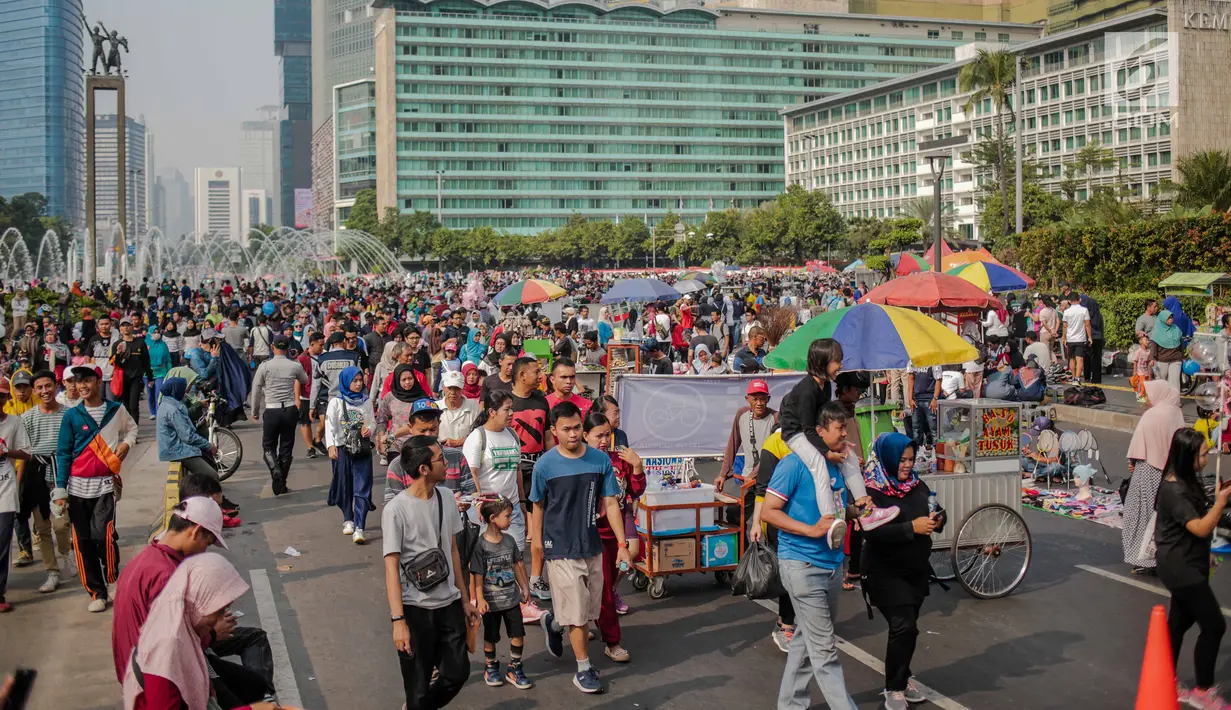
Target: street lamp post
x,y
938,174
439,194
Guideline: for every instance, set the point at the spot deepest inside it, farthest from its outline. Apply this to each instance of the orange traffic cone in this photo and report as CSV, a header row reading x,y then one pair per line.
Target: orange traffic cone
x,y
1156,689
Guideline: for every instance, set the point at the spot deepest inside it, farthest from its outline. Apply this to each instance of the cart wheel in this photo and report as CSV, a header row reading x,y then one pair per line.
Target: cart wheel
x,y
991,552
658,587
723,577
640,581
942,564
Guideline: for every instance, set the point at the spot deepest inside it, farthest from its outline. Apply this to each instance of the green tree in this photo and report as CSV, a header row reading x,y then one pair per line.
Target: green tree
x,y
1205,179
923,208
991,76
813,225
1039,209
860,231
895,235
363,214
1091,160
628,239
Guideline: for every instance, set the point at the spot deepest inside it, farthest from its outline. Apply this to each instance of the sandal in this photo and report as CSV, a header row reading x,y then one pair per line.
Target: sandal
x,y
848,583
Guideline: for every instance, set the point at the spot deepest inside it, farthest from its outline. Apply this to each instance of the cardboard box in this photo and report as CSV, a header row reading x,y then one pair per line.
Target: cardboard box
x,y
674,555
719,550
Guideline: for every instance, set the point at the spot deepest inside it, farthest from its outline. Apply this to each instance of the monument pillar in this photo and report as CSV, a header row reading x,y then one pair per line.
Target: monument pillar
x,y
93,84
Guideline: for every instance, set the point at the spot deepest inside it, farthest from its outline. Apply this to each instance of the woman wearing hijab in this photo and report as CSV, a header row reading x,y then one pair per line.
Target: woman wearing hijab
x,y
606,327
894,565
168,667
474,349
490,364
178,438
393,413
389,358
160,364
705,363
349,425
1167,346
1171,304
1147,457
472,381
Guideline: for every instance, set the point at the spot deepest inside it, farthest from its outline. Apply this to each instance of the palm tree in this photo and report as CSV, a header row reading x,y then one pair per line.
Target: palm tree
x,y
1205,179
1091,159
991,76
923,208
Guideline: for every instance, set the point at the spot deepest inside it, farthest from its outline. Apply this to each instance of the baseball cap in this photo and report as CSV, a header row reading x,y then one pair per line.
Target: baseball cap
x,y
204,512
425,405
22,377
452,378
208,334
758,387
450,344
82,372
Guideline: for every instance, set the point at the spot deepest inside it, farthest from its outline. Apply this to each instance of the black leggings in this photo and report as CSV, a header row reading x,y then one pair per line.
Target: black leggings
x,y
903,633
1197,604
786,610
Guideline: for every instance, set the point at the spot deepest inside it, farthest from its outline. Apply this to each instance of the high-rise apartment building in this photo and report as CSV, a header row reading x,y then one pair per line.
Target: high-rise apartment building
x,y
151,176
529,114
218,205
293,46
255,207
42,104
355,144
158,205
178,204
107,177
260,164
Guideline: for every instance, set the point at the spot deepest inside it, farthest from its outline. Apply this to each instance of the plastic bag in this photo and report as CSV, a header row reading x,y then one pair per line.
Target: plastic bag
x,y
756,576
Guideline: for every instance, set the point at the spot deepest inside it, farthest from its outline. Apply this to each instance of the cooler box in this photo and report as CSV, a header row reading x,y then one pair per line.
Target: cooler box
x,y
720,550
678,522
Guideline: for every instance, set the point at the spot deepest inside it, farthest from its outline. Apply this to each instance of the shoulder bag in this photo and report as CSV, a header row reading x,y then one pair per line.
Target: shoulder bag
x,y
427,570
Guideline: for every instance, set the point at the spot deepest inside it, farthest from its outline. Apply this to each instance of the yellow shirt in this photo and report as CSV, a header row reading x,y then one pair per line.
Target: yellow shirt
x,y
1207,427
16,407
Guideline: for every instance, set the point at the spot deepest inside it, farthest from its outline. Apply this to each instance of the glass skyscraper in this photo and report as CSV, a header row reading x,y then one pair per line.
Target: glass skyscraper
x,y
42,104
529,112
293,46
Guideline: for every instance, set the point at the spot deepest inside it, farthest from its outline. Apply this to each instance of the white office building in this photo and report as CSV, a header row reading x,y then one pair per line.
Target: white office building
x,y
1107,82
256,206
106,157
218,205
260,166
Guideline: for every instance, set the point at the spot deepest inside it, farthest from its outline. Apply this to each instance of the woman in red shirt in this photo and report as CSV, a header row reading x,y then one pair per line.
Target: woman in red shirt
x,y
168,669
631,476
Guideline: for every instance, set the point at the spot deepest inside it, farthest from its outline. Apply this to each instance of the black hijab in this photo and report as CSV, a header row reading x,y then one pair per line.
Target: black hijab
x,y
406,395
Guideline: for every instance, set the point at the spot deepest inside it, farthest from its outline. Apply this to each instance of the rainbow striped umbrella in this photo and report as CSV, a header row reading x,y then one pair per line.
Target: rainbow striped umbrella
x,y
996,278
528,291
875,337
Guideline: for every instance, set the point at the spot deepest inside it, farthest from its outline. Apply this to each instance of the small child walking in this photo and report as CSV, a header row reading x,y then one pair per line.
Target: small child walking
x,y
499,583
800,413
1143,368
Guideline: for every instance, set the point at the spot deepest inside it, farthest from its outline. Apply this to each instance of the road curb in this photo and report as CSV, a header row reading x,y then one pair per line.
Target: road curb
x,y
1102,419
171,498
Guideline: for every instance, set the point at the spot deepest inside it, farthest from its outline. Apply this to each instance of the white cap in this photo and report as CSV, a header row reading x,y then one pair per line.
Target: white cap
x,y
204,512
452,378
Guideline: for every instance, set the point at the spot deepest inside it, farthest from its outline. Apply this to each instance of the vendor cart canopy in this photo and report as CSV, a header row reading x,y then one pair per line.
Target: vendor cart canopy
x,y
1195,284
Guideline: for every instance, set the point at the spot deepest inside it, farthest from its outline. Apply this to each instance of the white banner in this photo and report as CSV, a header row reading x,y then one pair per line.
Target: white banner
x,y
681,415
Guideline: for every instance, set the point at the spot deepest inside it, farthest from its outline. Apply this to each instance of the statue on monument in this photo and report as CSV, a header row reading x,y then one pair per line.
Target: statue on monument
x,y
98,35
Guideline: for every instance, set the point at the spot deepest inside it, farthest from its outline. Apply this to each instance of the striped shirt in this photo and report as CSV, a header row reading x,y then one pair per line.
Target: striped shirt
x,y
44,432
98,486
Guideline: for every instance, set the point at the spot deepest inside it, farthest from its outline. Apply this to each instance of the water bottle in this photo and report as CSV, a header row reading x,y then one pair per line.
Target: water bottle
x,y
933,506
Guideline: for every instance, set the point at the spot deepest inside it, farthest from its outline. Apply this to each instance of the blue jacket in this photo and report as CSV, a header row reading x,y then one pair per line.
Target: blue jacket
x,y
201,362
178,439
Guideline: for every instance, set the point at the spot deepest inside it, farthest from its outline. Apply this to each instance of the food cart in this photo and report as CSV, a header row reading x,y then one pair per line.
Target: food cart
x,y
985,545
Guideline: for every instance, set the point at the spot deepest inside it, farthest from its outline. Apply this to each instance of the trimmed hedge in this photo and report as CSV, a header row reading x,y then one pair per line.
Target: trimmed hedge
x,y
1120,311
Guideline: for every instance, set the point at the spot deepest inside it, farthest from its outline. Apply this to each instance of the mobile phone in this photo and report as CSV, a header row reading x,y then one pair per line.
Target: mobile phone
x,y
23,682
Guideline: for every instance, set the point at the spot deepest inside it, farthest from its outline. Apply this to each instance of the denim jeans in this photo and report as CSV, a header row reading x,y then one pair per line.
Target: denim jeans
x,y
924,424
152,388
814,593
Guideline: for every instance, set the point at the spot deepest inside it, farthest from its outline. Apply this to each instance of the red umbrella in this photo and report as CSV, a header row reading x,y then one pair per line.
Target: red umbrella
x,y
928,289
945,250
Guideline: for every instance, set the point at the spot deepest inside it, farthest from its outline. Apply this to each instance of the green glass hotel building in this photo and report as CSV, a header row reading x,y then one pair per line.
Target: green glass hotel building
x,y
517,114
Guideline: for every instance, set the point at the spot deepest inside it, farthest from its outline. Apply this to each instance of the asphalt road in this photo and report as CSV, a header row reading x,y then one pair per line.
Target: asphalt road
x,y
1066,638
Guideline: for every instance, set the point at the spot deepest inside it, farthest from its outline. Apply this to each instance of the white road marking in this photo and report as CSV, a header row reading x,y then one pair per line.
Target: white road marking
x,y
936,698
1140,584
267,610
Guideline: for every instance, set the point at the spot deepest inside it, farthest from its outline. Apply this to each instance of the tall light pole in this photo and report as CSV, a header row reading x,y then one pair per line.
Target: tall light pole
x,y
439,193
936,163
1016,108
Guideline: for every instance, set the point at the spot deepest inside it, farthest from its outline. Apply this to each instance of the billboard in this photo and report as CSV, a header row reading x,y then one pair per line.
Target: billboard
x,y
303,207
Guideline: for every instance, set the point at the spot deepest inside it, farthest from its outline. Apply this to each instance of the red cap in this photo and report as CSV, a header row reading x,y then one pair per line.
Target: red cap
x,y
758,387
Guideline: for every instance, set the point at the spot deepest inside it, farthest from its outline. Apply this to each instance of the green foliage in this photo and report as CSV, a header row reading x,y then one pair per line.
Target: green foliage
x,y
1039,208
27,213
363,214
894,235
992,75
1132,257
1205,179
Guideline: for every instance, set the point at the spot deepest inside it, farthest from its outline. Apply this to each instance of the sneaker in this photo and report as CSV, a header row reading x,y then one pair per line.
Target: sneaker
x,y
554,638
67,565
348,528
531,613
97,605
873,518
782,636
5,607
913,694
617,653
312,452
540,589
516,677
321,448
836,535
620,607
491,674
587,681
384,460
1207,699
357,538
895,700
52,583
231,521
24,559
153,417
229,506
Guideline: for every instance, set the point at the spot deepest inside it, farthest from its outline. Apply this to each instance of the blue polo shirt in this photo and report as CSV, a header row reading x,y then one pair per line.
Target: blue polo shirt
x,y
792,482
570,492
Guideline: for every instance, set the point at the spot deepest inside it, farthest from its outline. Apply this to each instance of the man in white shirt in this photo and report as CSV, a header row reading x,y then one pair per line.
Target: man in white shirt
x,y
1076,334
14,445
457,413
1040,352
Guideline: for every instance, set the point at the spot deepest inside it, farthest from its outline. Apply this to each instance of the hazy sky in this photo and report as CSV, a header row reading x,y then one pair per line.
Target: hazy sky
x,y
197,68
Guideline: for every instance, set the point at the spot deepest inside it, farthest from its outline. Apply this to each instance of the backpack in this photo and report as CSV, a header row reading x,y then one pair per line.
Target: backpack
x,y
1087,396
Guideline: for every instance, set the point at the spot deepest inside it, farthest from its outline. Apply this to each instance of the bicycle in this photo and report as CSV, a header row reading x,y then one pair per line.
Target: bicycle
x,y
230,450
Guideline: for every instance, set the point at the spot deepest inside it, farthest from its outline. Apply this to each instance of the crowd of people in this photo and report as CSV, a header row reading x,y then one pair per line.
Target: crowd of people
x,y
507,485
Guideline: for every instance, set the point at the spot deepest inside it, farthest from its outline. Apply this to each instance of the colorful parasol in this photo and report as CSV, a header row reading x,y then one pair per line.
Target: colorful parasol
x,y
875,337
928,289
930,254
996,278
704,277
640,290
967,256
528,291
690,286
856,264
910,263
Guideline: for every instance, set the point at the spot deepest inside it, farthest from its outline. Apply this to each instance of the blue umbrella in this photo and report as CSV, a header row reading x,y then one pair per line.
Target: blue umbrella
x,y
640,290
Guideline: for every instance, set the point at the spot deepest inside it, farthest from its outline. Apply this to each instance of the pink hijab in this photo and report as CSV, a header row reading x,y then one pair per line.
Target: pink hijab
x,y
1152,437
169,646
